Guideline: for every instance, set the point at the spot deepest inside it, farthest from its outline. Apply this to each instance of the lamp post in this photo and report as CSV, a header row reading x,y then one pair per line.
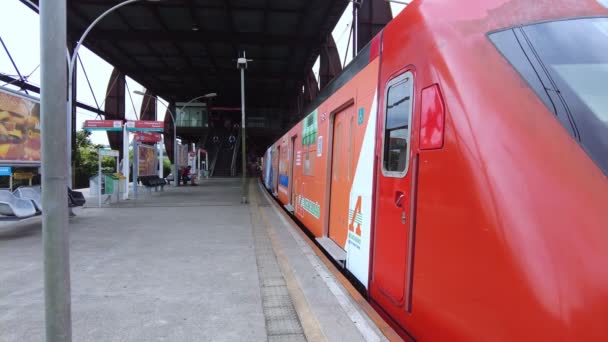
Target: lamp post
x,y
241,63
72,65
175,170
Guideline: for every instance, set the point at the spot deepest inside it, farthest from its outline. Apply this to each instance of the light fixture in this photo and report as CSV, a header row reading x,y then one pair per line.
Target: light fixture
x,y
399,2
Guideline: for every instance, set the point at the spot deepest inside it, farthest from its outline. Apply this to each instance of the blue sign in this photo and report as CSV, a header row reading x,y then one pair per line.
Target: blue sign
x,y
284,180
361,116
6,170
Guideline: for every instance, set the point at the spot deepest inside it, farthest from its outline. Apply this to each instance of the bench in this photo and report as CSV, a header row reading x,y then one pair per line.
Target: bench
x,y
10,205
153,182
32,193
26,201
75,198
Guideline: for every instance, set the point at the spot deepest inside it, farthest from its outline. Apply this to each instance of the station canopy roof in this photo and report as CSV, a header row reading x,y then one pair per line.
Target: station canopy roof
x,y
179,49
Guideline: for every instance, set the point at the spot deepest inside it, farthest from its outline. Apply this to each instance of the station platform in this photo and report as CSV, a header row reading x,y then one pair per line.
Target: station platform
x,y
188,264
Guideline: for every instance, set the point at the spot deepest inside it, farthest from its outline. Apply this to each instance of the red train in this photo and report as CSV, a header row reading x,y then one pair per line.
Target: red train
x,y
458,168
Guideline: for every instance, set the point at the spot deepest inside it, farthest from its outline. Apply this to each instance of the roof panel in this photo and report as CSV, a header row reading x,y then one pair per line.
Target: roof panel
x,y
155,44
248,21
212,19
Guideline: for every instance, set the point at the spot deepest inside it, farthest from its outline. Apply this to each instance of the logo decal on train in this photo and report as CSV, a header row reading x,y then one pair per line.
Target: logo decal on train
x,y
355,218
311,207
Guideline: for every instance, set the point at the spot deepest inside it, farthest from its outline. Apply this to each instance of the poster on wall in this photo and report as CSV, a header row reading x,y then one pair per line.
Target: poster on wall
x,y
147,160
182,155
19,129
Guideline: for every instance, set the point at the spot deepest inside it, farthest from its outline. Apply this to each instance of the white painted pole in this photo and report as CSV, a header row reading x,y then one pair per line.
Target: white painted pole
x,y
161,146
55,233
135,167
99,178
125,161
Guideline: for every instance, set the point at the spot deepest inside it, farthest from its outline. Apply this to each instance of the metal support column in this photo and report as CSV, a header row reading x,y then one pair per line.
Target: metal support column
x,y
53,94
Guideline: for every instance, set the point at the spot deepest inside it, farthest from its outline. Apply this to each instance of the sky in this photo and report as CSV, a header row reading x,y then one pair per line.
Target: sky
x,y
19,29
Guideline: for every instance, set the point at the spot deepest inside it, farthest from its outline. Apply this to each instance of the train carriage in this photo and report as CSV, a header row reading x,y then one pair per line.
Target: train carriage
x,y
458,170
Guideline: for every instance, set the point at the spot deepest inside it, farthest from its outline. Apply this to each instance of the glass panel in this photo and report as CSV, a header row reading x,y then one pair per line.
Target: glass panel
x,y
574,53
396,132
308,162
350,146
395,156
398,108
336,148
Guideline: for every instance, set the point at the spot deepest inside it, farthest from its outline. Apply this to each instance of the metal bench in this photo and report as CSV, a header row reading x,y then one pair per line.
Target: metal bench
x,y
10,205
153,182
30,193
75,198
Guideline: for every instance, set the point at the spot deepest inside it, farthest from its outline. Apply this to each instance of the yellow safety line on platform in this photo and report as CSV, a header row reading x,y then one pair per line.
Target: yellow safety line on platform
x,y
309,322
374,316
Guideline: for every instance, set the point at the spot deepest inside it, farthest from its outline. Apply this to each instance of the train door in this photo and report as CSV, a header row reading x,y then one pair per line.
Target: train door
x,y
292,192
275,178
340,177
393,235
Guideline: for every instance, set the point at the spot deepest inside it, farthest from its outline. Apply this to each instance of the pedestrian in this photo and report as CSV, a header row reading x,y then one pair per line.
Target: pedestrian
x,y
186,175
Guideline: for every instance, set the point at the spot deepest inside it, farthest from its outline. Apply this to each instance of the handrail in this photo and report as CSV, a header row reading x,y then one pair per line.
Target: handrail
x,y
214,161
235,154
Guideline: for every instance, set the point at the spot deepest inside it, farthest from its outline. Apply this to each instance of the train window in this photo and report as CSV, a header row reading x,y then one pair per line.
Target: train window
x,y
350,146
336,149
573,69
397,125
308,160
509,46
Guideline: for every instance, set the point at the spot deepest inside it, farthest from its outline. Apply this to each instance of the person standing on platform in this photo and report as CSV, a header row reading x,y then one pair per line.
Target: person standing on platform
x,y
186,175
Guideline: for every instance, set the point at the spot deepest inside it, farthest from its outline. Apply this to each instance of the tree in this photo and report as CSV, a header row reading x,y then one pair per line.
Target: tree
x,y
86,160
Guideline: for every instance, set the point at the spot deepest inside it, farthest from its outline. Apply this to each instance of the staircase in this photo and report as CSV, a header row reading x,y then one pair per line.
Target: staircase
x,y
223,155
224,161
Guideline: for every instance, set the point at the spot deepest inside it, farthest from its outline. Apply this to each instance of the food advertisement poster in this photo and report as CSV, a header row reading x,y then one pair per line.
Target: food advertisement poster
x,y
19,129
146,155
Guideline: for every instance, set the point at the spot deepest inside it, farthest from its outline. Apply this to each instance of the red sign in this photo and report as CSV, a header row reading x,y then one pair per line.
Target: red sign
x,y
104,125
145,126
148,137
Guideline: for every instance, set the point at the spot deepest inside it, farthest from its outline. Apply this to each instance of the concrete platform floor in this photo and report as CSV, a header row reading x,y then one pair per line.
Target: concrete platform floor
x,y
187,264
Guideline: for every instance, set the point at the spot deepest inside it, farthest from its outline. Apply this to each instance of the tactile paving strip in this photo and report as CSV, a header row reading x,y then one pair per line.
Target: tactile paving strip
x,y
282,322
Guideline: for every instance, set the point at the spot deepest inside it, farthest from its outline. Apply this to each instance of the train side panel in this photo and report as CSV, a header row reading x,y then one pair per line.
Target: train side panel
x,y
318,158
510,212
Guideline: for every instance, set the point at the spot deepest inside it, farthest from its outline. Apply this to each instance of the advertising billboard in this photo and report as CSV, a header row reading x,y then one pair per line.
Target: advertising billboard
x,y
147,160
19,129
182,155
148,137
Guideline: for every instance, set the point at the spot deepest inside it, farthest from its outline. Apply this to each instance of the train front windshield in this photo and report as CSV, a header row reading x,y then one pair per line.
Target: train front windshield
x,y
574,55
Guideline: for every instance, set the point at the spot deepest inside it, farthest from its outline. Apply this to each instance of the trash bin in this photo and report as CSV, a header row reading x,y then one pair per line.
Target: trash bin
x,y
111,184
